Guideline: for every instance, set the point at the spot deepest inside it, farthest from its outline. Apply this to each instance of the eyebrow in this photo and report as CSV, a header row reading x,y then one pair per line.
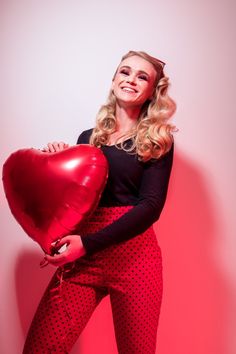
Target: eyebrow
x,y
139,71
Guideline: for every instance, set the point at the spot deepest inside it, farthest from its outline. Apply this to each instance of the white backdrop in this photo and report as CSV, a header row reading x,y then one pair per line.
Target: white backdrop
x,y
56,64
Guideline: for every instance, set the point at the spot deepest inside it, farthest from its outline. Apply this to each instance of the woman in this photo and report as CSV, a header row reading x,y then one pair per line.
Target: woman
x,y
116,252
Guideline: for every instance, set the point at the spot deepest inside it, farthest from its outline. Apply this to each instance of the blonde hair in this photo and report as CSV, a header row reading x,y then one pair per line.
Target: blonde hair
x,y
152,137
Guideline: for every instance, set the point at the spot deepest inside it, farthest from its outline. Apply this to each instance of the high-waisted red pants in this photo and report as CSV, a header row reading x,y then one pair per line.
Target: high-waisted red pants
x,y
129,272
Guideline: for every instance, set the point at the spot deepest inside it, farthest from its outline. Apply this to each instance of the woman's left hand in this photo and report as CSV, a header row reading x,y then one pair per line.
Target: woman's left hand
x,y
74,250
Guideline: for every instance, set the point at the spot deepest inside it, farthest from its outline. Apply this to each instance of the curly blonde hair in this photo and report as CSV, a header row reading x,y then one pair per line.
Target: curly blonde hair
x,y
152,137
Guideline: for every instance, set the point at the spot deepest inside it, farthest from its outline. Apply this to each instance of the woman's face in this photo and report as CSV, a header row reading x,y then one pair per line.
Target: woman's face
x,y
134,81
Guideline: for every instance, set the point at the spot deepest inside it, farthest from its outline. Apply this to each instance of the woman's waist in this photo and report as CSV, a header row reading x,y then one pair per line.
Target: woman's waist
x,y
103,216
102,213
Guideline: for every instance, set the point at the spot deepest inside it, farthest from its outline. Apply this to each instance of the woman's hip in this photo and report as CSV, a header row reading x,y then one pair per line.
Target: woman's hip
x,y
141,248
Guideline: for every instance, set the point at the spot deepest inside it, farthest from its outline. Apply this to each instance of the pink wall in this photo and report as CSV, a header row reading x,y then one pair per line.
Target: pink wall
x,y
57,59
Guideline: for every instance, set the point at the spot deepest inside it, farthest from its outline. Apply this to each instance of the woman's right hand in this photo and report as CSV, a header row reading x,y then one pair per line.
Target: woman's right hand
x,y
55,146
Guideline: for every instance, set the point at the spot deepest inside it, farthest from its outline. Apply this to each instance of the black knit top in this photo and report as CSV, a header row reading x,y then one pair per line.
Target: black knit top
x,y
130,182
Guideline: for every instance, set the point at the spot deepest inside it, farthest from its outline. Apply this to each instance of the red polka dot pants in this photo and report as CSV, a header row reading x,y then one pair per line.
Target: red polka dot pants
x,y
129,272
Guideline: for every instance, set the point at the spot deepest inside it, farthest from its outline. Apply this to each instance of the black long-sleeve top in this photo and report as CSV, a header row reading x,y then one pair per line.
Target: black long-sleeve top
x,y
130,182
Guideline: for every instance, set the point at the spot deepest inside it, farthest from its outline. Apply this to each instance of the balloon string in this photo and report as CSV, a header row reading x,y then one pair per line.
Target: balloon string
x,y
57,296
60,273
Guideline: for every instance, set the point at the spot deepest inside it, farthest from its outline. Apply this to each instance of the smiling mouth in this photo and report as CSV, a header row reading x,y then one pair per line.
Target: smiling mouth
x,y
128,89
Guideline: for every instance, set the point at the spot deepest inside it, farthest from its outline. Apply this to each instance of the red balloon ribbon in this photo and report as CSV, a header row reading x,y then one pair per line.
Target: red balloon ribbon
x,y
50,194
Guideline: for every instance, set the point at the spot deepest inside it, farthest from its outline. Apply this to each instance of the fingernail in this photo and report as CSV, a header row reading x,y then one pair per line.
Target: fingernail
x,y
55,242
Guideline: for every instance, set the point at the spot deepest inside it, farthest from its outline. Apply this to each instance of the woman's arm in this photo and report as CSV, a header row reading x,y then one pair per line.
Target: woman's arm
x,y
152,196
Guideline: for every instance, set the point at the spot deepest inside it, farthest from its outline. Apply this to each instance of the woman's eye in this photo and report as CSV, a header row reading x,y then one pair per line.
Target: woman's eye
x,y
125,72
143,77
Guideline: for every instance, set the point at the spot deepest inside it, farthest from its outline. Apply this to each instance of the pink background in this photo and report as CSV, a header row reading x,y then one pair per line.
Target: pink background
x,y
57,60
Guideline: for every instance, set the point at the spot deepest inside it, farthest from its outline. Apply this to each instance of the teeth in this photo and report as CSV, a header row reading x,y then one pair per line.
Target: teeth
x,y
128,89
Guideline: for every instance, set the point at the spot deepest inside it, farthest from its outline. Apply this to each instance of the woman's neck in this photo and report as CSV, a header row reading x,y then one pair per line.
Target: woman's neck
x,y
126,118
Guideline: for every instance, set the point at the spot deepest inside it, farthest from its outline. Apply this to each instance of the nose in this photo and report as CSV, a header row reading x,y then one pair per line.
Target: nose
x,y
131,79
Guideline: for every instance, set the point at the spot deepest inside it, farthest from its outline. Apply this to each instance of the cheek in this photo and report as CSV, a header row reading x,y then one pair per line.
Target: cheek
x,y
146,91
115,83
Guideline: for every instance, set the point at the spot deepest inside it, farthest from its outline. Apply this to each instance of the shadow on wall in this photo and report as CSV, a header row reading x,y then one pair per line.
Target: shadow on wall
x,y
30,281
196,297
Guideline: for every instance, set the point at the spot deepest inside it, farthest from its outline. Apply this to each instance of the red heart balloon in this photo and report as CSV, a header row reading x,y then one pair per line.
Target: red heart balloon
x,y
50,194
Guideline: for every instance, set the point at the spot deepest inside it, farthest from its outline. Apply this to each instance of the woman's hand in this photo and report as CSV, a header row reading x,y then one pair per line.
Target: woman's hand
x,y
74,250
55,146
